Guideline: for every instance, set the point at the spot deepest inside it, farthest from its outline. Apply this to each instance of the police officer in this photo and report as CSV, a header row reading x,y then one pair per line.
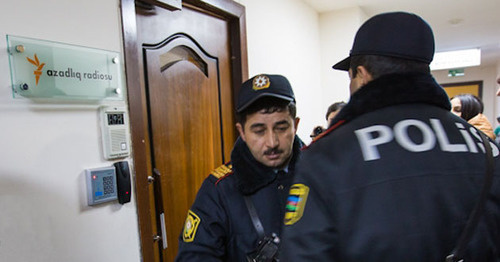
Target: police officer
x,y
397,174
220,225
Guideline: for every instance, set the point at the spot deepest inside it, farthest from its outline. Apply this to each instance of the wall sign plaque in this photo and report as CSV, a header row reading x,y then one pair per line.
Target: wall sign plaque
x,y
45,69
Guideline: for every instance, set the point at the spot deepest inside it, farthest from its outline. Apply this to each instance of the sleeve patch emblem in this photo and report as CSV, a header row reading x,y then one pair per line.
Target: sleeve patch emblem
x,y
296,203
190,227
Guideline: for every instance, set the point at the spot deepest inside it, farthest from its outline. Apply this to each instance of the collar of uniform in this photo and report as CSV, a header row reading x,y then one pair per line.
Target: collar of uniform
x,y
394,89
250,174
283,169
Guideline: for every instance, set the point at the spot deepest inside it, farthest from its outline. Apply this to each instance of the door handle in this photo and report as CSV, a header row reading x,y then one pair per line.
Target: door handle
x,y
159,206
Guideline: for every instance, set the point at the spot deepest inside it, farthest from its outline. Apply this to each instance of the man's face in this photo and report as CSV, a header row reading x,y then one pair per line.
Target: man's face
x,y
269,137
331,116
356,82
456,106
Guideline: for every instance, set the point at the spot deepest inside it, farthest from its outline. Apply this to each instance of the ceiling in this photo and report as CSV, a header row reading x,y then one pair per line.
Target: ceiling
x,y
457,24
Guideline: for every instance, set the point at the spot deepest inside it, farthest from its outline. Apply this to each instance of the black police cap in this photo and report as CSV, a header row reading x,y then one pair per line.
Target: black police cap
x,y
395,34
264,85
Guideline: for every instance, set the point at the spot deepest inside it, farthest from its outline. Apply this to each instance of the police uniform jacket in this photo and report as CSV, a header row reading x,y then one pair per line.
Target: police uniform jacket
x,y
219,227
393,179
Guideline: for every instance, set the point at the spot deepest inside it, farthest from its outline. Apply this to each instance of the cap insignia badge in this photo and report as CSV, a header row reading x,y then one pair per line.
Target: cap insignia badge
x,y
261,82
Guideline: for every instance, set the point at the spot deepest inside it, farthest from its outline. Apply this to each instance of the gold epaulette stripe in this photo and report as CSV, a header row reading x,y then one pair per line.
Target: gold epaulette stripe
x,y
222,171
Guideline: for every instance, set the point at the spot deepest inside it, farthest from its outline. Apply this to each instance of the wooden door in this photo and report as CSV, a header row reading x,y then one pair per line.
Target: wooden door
x,y
184,68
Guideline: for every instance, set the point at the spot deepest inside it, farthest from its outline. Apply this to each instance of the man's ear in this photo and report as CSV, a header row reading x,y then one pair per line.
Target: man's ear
x,y
239,127
364,75
297,120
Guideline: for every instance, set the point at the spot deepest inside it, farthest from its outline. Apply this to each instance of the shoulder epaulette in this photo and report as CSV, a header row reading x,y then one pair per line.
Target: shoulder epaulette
x,y
222,171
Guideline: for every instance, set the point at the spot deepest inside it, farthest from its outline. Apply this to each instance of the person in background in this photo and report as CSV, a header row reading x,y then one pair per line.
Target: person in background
x,y
470,108
497,131
317,130
498,118
397,175
331,112
498,90
243,202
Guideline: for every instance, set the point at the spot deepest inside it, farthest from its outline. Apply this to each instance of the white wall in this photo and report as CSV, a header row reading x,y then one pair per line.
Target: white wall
x,y
45,147
486,74
337,30
283,38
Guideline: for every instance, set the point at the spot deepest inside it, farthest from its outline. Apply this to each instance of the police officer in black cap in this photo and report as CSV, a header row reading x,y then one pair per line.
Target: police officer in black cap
x,y
397,175
238,212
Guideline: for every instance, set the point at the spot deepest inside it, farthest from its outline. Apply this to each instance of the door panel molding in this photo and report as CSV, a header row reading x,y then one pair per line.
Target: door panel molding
x,y
182,53
185,48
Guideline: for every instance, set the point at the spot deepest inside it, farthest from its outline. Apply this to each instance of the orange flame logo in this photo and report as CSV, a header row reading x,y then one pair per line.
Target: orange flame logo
x,y
38,70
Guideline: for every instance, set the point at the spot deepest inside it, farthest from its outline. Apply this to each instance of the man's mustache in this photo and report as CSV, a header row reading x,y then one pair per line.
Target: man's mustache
x,y
273,151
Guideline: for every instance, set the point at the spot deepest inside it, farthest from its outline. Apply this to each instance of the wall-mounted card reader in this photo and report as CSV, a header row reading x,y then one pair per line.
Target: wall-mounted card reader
x,y
101,185
123,182
114,129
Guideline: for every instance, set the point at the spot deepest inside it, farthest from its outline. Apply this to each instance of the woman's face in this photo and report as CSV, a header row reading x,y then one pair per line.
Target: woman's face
x,y
456,107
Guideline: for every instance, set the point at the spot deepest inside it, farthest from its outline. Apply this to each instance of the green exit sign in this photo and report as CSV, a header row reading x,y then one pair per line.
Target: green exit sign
x,y
456,72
